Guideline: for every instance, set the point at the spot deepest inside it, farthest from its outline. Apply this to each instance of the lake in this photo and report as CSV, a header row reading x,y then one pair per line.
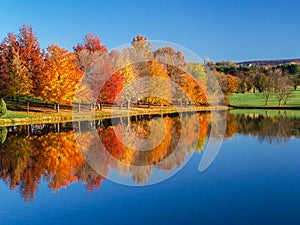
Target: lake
x,y
149,172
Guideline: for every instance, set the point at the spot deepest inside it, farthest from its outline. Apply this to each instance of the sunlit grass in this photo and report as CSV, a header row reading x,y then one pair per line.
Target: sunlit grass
x,y
21,117
256,100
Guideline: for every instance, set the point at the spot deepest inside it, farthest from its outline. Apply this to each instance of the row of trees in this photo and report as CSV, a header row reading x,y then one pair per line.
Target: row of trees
x,y
91,72
268,80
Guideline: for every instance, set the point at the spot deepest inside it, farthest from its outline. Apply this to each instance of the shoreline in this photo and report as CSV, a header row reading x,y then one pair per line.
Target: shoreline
x,y
63,117
283,107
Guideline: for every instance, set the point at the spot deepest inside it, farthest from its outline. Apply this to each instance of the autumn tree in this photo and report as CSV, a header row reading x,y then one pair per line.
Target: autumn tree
x,y
228,83
128,70
31,57
6,49
157,84
267,86
21,64
142,47
282,84
94,61
61,77
111,88
91,43
15,77
189,90
169,56
173,61
293,71
232,84
19,83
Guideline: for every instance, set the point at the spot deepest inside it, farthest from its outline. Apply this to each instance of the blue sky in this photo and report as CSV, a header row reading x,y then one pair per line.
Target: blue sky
x,y
219,29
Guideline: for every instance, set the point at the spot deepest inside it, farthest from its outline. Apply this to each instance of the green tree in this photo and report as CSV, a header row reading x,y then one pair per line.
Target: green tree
x,y
197,70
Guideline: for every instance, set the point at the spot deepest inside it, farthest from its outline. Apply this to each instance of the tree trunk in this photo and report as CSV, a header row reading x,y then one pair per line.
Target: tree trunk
x,y
28,103
78,106
28,130
57,107
128,104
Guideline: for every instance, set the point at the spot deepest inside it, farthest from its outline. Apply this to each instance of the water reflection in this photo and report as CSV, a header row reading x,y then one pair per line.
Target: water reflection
x,y
170,141
50,151
32,153
269,126
28,157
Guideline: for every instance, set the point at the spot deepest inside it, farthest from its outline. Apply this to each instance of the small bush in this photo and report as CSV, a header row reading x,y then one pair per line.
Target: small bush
x,y
3,109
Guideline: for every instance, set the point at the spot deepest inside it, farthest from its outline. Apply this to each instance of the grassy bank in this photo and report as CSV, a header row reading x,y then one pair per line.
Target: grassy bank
x,y
21,118
256,100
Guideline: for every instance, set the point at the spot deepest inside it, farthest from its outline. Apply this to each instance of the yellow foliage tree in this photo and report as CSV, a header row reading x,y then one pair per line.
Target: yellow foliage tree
x,y
61,78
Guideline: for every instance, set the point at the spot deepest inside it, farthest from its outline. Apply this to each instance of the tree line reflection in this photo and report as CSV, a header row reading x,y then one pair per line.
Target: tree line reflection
x,y
274,129
49,152
31,154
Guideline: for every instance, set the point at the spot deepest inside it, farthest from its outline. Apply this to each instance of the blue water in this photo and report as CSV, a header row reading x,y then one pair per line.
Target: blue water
x,y
250,182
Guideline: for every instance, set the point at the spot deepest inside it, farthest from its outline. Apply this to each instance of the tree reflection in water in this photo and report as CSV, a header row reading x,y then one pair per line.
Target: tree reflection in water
x,y
277,129
49,152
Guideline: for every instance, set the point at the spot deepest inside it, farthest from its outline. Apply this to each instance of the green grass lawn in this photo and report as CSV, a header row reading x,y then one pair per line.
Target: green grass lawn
x,y
256,100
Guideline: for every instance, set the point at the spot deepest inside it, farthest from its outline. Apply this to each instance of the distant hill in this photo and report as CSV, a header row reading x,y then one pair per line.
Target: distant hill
x,y
269,62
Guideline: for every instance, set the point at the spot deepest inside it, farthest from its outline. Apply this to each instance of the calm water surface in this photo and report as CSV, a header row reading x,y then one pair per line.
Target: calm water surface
x,y
255,178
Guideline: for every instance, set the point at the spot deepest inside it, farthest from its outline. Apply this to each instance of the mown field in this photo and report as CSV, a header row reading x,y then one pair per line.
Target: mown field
x,y
256,100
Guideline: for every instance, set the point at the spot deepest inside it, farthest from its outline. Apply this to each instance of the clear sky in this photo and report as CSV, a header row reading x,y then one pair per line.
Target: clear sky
x,y
219,29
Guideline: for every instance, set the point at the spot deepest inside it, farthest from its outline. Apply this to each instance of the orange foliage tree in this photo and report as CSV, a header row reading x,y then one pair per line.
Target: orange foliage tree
x,y
232,84
158,82
61,77
32,57
191,90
